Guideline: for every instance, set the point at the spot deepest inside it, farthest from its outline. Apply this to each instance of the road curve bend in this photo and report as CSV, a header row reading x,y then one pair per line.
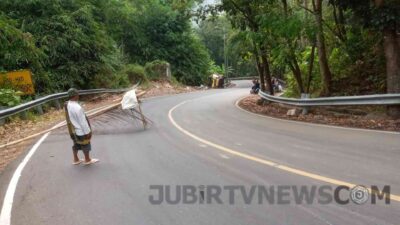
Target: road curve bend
x,y
117,190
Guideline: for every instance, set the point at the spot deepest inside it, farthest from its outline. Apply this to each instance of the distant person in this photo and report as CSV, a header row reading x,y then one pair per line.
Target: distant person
x,y
255,88
280,88
274,82
78,128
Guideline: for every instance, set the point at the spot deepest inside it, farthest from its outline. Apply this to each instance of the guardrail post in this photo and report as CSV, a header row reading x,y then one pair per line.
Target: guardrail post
x,y
57,104
39,108
2,121
305,108
24,115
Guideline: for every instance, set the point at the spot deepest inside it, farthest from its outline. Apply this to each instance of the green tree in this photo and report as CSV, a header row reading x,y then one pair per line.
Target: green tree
x,y
85,43
168,35
214,33
382,16
225,46
77,49
244,15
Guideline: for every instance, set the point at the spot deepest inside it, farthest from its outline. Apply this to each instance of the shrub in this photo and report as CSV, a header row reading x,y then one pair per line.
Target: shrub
x,y
156,70
135,73
9,97
215,69
114,80
175,82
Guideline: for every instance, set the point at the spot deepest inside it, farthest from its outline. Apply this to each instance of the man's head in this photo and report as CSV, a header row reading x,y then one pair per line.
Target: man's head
x,y
73,94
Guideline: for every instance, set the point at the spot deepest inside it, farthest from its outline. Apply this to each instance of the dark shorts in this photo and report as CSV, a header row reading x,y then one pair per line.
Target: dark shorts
x,y
85,148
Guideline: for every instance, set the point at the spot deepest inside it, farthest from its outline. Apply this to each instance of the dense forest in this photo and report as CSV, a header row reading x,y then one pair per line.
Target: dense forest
x,y
321,47
98,43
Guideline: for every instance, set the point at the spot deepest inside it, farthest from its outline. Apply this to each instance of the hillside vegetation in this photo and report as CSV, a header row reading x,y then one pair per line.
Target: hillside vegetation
x,y
97,43
321,47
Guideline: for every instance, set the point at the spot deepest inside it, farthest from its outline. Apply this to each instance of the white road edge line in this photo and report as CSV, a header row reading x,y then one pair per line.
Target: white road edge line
x,y
5,216
309,123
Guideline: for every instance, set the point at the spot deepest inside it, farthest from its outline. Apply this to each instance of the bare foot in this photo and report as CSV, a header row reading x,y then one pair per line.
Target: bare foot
x,y
91,161
77,162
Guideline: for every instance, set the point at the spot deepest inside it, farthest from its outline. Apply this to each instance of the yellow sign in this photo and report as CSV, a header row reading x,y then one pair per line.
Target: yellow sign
x,y
20,80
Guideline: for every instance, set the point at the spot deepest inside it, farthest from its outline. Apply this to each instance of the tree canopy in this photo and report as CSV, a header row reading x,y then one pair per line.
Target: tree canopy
x,y
85,43
321,47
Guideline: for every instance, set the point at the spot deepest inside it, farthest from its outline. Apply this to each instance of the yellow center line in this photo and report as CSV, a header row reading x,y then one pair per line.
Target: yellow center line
x,y
263,161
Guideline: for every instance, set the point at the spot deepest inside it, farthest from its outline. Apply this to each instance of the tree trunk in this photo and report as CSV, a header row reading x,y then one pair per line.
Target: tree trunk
x,y
342,22
268,77
297,75
323,59
339,31
391,46
285,7
294,65
260,68
310,68
267,70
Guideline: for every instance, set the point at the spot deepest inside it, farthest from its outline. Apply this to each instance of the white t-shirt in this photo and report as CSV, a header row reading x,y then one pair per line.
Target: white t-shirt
x,y
77,117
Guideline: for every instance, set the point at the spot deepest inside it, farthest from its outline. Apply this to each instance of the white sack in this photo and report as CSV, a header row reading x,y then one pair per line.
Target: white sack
x,y
129,100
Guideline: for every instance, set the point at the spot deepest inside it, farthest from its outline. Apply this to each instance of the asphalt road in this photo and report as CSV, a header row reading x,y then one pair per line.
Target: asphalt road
x,y
116,190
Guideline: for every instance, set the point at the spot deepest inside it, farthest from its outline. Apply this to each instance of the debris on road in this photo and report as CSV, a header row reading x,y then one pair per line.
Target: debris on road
x,y
19,129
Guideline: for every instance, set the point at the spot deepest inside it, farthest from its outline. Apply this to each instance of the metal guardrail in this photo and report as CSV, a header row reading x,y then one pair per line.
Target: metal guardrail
x,y
243,78
381,99
282,82
40,101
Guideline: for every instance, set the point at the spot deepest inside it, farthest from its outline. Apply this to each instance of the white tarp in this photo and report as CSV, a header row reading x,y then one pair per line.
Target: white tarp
x,y
129,101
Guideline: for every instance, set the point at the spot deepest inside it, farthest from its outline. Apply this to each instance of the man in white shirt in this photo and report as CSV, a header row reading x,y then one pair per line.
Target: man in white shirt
x,y
79,128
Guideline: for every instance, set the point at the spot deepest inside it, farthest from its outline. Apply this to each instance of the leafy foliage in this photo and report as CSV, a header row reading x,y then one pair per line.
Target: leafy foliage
x,y
288,39
76,49
85,43
155,69
135,73
9,97
225,47
17,48
215,69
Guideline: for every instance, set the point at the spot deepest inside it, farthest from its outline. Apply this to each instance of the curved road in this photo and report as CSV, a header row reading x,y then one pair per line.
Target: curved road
x,y
220,146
